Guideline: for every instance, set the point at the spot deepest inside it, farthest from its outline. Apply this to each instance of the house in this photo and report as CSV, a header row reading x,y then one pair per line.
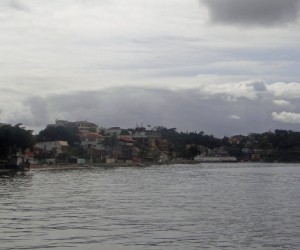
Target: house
x,y
139,133
247,150
56,147
237,139
85,125
126,139
59,123
80,125
91,140
153,134
113,131
123,151
28,153
255,157
220,151
163,146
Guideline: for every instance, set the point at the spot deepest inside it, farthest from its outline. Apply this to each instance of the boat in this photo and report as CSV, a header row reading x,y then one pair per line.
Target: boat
x,y
202,158
140,165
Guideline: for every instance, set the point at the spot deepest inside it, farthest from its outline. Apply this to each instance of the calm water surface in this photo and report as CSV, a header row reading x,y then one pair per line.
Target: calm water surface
x,y
207,206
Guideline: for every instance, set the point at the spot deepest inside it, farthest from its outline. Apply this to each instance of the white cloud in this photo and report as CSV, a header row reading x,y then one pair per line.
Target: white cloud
x,y
287,117
281,102
235,117
233,91
285,90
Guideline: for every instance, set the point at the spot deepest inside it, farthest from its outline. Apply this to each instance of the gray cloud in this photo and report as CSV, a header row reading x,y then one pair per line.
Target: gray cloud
x,y
7,5
39,111
90,45
258,86
253,12
185,109
18,5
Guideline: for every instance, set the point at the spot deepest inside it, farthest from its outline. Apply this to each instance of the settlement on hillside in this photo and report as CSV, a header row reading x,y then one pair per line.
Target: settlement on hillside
x,y
82,141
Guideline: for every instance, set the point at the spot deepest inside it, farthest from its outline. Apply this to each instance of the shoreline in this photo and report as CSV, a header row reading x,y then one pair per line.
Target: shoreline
x,y
56,166
105,165
114,165
37,167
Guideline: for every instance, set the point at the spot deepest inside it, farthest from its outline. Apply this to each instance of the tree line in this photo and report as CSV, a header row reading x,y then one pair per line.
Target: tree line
x,y
14,139
280,145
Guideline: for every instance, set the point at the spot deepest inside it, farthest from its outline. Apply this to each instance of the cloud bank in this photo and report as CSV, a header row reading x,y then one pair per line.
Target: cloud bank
x,y
249,107
119,63
254,12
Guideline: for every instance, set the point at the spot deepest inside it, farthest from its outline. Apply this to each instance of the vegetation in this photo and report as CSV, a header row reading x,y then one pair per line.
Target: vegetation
x,y
69,134
14,139
180,140
280,145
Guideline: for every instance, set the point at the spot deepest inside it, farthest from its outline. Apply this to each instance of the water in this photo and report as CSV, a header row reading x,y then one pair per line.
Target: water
x,y
207,206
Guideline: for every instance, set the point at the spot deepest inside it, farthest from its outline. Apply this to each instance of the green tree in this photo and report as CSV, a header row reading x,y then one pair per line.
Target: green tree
x,y
14,138
71,135
125,132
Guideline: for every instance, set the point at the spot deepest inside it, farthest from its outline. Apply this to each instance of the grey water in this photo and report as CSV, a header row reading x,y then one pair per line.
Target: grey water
x,y
206,206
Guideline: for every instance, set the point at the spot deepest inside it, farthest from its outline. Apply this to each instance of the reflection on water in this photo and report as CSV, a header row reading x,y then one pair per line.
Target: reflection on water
x,y
223,206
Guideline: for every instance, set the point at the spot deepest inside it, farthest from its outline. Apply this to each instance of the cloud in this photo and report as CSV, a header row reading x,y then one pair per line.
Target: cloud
x,y
258,86
122,62
218,109
38,110
253,12
235,117
285,90
215,108
281,103
185,109
18,5
287,117
234,91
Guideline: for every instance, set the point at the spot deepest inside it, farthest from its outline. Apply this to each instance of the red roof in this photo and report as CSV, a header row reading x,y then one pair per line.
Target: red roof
x,y
125,139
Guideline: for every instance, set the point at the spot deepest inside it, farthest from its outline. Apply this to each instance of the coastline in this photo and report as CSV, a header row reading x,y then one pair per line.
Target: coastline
x,y
106,165
56,166
37,167
40,167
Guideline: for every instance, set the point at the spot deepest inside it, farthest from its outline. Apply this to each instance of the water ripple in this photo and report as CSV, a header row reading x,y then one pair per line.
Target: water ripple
x,y
207,206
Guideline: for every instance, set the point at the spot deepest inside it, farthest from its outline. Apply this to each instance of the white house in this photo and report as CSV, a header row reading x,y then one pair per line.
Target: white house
x,y
91,140
59,146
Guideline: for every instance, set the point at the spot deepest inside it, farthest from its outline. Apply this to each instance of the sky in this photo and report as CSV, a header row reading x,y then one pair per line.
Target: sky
x,y
224,67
